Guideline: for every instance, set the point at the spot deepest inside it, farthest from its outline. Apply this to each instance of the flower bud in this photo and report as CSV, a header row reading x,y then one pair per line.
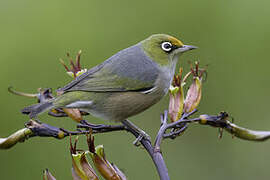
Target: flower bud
x,y
74,114
193,95
47,175
194,92
77,73
176,94
119,172
105,168
103,165
75,69
81,169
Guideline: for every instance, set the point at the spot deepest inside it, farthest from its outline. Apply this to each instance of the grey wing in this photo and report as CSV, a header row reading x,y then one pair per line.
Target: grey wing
x,y
128,70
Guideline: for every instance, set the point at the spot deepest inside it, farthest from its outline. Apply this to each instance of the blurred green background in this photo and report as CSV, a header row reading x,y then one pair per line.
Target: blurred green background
x,y
233,37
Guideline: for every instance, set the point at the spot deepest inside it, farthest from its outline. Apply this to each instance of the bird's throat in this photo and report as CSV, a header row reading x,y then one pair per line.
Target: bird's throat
x,y
166,75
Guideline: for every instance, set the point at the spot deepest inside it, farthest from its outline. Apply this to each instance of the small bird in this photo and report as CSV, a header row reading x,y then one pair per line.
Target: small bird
x,y
124,85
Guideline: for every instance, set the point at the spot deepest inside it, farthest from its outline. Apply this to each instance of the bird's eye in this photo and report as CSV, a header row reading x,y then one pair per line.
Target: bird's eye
x,y
166,46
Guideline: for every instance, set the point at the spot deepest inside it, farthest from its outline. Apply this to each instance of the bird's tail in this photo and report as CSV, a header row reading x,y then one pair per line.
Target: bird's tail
x,y
36,109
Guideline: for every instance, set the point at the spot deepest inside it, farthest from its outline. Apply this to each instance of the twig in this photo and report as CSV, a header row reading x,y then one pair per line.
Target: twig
x,y
35,128
154,154
101,128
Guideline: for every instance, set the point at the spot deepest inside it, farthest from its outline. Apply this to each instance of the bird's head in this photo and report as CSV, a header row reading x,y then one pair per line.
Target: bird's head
x,y
162,48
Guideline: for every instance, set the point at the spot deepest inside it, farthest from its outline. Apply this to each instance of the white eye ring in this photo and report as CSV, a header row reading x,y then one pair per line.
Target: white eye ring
x,y
166,46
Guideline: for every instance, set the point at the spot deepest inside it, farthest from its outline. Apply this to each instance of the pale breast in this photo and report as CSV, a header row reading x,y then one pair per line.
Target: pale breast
x,y
166,76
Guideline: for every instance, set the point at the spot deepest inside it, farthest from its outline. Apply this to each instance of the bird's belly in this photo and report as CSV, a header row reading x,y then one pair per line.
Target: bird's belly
x,y
118,106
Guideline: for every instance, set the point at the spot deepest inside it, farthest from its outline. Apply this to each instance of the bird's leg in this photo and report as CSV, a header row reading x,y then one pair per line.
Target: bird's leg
x,y
141,133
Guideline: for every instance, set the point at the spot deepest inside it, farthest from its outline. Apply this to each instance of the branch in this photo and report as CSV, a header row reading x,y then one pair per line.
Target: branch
x,y
35,128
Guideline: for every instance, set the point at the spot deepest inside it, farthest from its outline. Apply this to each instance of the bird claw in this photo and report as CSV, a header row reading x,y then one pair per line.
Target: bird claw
x,y
142,135
137,141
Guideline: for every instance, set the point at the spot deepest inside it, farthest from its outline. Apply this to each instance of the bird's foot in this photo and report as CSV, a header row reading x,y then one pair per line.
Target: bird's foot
x,y
142,134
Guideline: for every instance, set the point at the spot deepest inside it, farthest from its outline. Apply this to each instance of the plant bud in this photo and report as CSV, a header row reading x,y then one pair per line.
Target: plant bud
x,y
103,165
74,114
75,69
47,175
119,172
81,169
194,92
193,95
105,168
176,94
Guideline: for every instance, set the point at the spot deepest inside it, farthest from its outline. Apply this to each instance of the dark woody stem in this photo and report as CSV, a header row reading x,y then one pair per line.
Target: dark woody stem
x,y
36,128
154,154
153,150
45,130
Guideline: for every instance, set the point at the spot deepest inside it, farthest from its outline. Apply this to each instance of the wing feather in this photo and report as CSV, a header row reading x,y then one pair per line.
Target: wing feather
x,y
128,70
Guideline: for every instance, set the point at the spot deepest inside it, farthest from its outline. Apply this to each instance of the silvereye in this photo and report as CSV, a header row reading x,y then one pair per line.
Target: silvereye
x,y
124,85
